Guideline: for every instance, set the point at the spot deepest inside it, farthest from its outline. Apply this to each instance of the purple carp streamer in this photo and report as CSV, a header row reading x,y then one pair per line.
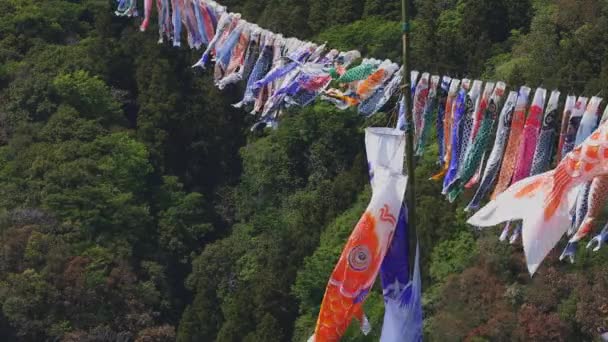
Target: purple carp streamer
x,y
403,316
459,113
599,240
441,110
188,17
224,53
126,8
261,68
467,123
209,16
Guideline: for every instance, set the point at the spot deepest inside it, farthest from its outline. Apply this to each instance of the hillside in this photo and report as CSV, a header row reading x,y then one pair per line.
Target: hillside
x,y
136,204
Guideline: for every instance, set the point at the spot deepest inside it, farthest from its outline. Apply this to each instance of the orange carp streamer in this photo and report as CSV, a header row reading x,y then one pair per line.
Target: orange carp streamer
x,y
515,136
359,264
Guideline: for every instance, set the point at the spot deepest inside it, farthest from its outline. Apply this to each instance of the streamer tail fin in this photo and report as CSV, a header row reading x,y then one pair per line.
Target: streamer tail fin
x,y
543,208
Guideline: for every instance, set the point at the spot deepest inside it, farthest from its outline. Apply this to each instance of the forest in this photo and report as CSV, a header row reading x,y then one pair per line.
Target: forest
x,y
137,205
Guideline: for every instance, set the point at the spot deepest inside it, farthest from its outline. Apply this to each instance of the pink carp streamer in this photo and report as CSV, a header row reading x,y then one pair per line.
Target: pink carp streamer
x,y
527,147
530,135
147,14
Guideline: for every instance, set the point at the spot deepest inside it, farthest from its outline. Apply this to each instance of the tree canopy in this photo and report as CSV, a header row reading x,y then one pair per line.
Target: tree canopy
x,y
136,204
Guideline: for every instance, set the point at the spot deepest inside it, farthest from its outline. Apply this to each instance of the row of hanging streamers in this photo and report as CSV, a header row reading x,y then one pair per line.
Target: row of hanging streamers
x,y
468,115
528,140
279,72
567,200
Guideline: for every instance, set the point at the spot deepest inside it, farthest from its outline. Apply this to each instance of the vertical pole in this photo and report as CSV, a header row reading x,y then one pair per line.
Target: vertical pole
x,y
407,94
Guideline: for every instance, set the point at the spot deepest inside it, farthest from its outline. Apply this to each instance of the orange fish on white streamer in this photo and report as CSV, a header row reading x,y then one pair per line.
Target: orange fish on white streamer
x,y
360,262
544,201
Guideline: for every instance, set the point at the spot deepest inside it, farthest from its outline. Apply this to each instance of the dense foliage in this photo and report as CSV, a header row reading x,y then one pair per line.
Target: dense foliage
x,y
135,204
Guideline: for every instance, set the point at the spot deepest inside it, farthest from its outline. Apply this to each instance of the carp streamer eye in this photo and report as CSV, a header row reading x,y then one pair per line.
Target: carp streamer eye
x,y
359,258
509,116
492,107
548,122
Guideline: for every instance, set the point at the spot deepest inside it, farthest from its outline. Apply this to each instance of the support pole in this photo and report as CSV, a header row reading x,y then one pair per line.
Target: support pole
x,y
406,89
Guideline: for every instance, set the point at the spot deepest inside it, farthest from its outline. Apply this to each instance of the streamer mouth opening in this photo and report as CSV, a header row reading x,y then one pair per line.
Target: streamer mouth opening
x,y
386,131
